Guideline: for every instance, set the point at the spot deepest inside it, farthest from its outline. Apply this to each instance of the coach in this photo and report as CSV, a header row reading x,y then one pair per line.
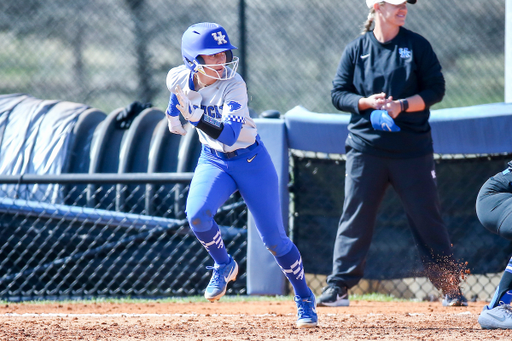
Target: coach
x,y
388,78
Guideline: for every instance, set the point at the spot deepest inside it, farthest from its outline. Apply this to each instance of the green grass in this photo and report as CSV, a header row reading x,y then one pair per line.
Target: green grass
x,y
200,299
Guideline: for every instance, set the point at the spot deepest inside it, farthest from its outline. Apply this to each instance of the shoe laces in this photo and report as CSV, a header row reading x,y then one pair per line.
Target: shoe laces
x,y
305,307
217,276
507,308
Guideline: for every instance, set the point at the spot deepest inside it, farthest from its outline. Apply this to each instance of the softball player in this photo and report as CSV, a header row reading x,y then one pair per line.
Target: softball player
x,y
213,97
494,210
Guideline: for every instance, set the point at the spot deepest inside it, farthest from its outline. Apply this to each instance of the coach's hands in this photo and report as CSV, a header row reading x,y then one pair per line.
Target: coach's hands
x,y
174,124
190,105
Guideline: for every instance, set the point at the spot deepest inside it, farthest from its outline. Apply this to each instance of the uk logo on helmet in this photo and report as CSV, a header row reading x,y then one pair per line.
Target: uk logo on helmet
x,y
219,37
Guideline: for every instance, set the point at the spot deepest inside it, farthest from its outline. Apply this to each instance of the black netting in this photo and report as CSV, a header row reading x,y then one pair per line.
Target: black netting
x,y
317,190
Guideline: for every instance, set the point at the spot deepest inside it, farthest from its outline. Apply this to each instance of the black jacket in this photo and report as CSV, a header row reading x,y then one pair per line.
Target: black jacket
x,y
402,67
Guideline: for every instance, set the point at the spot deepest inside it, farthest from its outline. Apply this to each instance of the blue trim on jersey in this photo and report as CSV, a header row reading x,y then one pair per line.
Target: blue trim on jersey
x,y
230,133
171,108
235,118
191,81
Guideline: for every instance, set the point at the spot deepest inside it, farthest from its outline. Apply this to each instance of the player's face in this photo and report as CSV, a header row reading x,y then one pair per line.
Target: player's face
x,y
216,62
215,67
219,58
394,14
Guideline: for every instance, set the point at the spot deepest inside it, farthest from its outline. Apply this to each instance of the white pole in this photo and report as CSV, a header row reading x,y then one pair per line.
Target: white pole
x,y
508,51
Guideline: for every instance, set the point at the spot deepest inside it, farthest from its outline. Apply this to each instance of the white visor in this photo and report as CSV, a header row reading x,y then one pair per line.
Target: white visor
x,y
370,3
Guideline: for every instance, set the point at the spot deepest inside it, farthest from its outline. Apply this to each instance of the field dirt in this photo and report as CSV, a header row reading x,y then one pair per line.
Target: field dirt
x,y
272,320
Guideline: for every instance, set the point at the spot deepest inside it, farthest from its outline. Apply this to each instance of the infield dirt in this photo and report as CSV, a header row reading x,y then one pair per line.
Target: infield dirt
x,y
272,320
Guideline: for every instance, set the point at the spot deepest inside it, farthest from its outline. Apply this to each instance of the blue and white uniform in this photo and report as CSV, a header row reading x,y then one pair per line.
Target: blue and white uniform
x,y
243,165
227,166
232,158
226,101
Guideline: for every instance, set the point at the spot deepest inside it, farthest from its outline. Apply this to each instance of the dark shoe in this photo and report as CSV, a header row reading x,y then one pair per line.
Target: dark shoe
x,y
455,300
333,296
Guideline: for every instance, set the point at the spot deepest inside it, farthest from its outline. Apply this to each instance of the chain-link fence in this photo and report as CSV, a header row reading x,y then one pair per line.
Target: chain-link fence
x,y
107,54
63,249
89,235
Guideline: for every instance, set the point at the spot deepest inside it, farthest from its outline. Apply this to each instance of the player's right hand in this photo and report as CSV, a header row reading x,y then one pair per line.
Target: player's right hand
x,y
174,124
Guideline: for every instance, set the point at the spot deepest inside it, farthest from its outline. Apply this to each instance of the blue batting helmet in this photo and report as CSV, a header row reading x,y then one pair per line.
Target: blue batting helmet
x,y
204,39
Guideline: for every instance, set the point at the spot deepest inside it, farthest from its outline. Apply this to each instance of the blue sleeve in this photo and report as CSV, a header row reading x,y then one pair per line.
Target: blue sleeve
x,y
171,108
230,132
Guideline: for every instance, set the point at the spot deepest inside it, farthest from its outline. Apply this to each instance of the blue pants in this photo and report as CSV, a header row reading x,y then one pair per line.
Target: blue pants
x,y
254,176
367,178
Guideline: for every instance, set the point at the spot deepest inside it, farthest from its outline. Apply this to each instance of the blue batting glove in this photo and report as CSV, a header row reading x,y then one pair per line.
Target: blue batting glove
x,y
382,121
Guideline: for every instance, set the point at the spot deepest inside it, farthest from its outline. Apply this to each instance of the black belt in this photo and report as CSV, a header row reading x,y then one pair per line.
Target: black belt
x,y
230,155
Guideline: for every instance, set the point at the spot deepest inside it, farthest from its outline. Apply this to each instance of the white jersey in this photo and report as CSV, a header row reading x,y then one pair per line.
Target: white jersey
x,y
224,100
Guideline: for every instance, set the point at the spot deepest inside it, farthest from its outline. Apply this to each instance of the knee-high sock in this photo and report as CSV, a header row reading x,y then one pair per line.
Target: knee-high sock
x,y
504,286
213,243
291,264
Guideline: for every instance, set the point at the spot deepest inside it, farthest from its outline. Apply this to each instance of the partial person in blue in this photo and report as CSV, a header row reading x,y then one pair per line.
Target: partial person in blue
x,y
494,210
212,96
388,78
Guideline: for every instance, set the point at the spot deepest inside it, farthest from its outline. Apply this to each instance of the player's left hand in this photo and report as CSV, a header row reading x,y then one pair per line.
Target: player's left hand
x,y
190,104
174,124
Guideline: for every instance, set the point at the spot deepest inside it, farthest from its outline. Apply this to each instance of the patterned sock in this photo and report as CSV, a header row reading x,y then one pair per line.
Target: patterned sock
x,y
292,267
504,286
212,242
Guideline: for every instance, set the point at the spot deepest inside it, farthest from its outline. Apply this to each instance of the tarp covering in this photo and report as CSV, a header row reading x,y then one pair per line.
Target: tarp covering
x,y
479,129
35,138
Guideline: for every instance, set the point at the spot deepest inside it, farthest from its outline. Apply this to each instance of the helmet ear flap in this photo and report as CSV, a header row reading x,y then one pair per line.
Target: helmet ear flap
x,y
229,56
200,60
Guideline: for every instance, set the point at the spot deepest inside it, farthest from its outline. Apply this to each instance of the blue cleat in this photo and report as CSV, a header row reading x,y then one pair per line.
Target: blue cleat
x,y
222,275
306,311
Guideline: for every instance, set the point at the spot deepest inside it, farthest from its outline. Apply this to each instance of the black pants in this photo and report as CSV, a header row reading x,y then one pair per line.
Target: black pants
x,y
366,180
494,204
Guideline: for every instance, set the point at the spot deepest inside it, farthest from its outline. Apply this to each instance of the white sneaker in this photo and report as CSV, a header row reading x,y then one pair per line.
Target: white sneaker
x,y
499,317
